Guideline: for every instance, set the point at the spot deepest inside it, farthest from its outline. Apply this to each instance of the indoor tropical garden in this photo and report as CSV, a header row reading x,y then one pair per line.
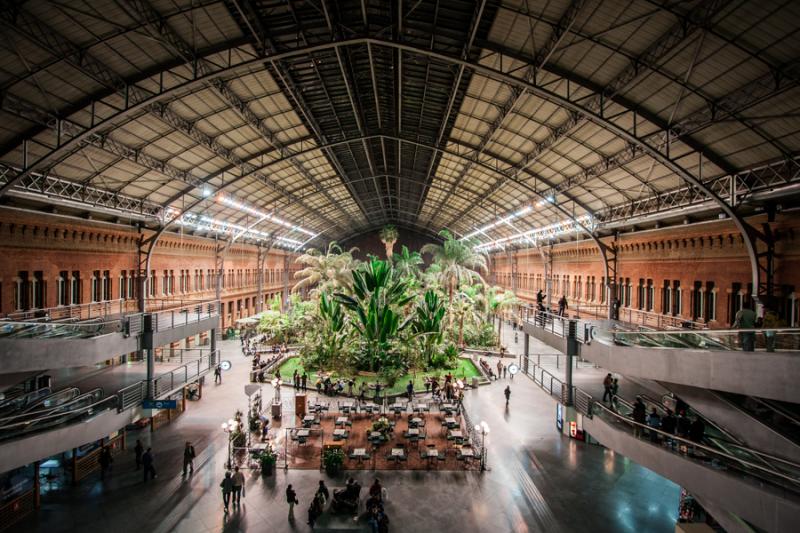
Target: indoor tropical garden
x,y
385,322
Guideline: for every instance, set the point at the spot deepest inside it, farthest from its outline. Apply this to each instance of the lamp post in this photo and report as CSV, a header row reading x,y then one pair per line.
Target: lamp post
x,y
483,429
229,427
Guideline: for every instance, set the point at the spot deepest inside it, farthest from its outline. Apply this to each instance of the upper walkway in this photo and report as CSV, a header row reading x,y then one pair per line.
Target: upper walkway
x,y
54,340
710,359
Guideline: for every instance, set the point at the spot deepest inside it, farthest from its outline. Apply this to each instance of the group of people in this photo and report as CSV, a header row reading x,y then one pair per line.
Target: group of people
x,y
683,426
232,485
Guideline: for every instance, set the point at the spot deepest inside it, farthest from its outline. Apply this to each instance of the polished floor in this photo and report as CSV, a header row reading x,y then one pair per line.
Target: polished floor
x,y
538,479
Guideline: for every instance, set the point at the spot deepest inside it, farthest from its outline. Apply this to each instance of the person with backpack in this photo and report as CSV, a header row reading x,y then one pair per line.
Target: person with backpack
x,y
227,489
188,458
217,374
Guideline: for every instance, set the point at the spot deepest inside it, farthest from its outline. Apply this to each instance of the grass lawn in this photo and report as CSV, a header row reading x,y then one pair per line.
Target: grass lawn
x,y
465,369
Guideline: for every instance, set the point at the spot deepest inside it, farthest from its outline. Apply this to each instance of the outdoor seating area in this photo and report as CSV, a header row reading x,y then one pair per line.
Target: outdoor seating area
x,y
422,435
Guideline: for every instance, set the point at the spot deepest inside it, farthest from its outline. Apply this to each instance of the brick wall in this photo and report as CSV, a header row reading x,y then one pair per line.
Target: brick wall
x,y
50,244
710,253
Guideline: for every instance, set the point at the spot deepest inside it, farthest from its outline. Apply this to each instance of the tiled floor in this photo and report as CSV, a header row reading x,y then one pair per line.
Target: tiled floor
x,y
539,480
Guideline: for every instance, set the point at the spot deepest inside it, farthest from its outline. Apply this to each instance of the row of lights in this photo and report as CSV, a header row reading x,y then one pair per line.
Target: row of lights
x,y
206,223
534,235
522,212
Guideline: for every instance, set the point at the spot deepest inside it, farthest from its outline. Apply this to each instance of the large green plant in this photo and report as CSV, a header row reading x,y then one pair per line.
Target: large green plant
x,y
375,303
458,262
427,324
407,263
327,271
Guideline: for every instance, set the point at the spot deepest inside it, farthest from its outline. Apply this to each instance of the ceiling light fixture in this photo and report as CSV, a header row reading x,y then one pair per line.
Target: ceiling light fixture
x,y
241,206
535,235
522,212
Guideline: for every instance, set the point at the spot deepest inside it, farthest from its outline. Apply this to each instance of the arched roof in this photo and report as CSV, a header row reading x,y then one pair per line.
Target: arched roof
x,y
340,117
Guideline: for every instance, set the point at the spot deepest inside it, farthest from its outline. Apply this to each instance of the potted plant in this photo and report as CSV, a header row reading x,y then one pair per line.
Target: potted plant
x,y
332,460
267,459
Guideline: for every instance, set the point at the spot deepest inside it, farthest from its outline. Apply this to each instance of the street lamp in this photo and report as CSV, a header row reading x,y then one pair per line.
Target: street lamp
x,y
230,428
483,429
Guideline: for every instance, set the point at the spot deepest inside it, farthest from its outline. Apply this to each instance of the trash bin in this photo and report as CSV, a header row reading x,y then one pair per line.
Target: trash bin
x,y
474,382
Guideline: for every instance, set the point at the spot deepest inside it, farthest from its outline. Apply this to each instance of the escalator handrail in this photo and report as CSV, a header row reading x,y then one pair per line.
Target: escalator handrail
x,y
712,451
65,390
98,392
779,409
71,414
763,456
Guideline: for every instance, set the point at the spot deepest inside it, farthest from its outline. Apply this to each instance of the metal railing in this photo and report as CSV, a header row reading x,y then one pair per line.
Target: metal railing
x,y
80,311
551,384
185,315
640,317
174,379
709,339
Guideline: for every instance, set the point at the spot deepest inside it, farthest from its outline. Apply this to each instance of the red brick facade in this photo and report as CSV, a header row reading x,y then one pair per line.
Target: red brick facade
x,y
45,249
670,271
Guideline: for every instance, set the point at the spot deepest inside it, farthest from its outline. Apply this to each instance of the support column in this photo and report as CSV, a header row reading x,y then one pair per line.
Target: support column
x,y
262,255
572,350
285,298
526,345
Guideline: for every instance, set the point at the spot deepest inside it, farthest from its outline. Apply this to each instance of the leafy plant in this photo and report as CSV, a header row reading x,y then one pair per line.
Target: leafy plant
x,y
325,272
458,262
377,298
267,459
427,323
388,236
332,460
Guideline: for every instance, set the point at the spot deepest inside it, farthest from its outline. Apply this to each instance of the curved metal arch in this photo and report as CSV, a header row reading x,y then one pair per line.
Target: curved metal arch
x,y
748,233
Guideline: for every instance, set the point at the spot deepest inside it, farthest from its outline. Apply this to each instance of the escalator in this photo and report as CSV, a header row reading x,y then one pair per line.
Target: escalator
x,y
781,417
757,488
56,413
717,438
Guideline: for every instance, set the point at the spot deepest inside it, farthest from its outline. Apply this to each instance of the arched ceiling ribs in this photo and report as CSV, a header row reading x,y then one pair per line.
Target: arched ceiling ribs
x,y
611,124
507,108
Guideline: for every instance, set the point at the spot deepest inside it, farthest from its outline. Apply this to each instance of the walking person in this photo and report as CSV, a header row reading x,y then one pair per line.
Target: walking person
x,y
562,305
188,458
291,499
615,387
654,422
410,390
105,461
227,489
499,368
238,487
304,382
746,319
217,374
147,464
138,450
608,383
505,371
507,392
639,416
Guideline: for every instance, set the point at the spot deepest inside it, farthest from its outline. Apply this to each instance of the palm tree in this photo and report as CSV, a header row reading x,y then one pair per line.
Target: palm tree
x,y
407,263
462,310
388,236
459,263
332,270
498,301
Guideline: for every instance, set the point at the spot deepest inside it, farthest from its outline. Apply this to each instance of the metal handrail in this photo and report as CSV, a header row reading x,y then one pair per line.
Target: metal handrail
x,y
712,451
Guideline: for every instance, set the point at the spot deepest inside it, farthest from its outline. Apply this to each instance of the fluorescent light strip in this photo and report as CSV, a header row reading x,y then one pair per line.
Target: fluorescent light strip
x,y
230,202
522,212
559,228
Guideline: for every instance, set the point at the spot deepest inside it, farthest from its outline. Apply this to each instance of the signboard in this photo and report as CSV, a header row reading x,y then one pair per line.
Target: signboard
x,y
513,368
225,365
559,416
160,404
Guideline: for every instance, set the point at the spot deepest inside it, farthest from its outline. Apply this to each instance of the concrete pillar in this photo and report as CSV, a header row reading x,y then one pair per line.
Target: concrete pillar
x,y
189,341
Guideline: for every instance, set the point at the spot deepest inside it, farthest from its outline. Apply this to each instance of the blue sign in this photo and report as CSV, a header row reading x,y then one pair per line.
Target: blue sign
x,y
160,404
